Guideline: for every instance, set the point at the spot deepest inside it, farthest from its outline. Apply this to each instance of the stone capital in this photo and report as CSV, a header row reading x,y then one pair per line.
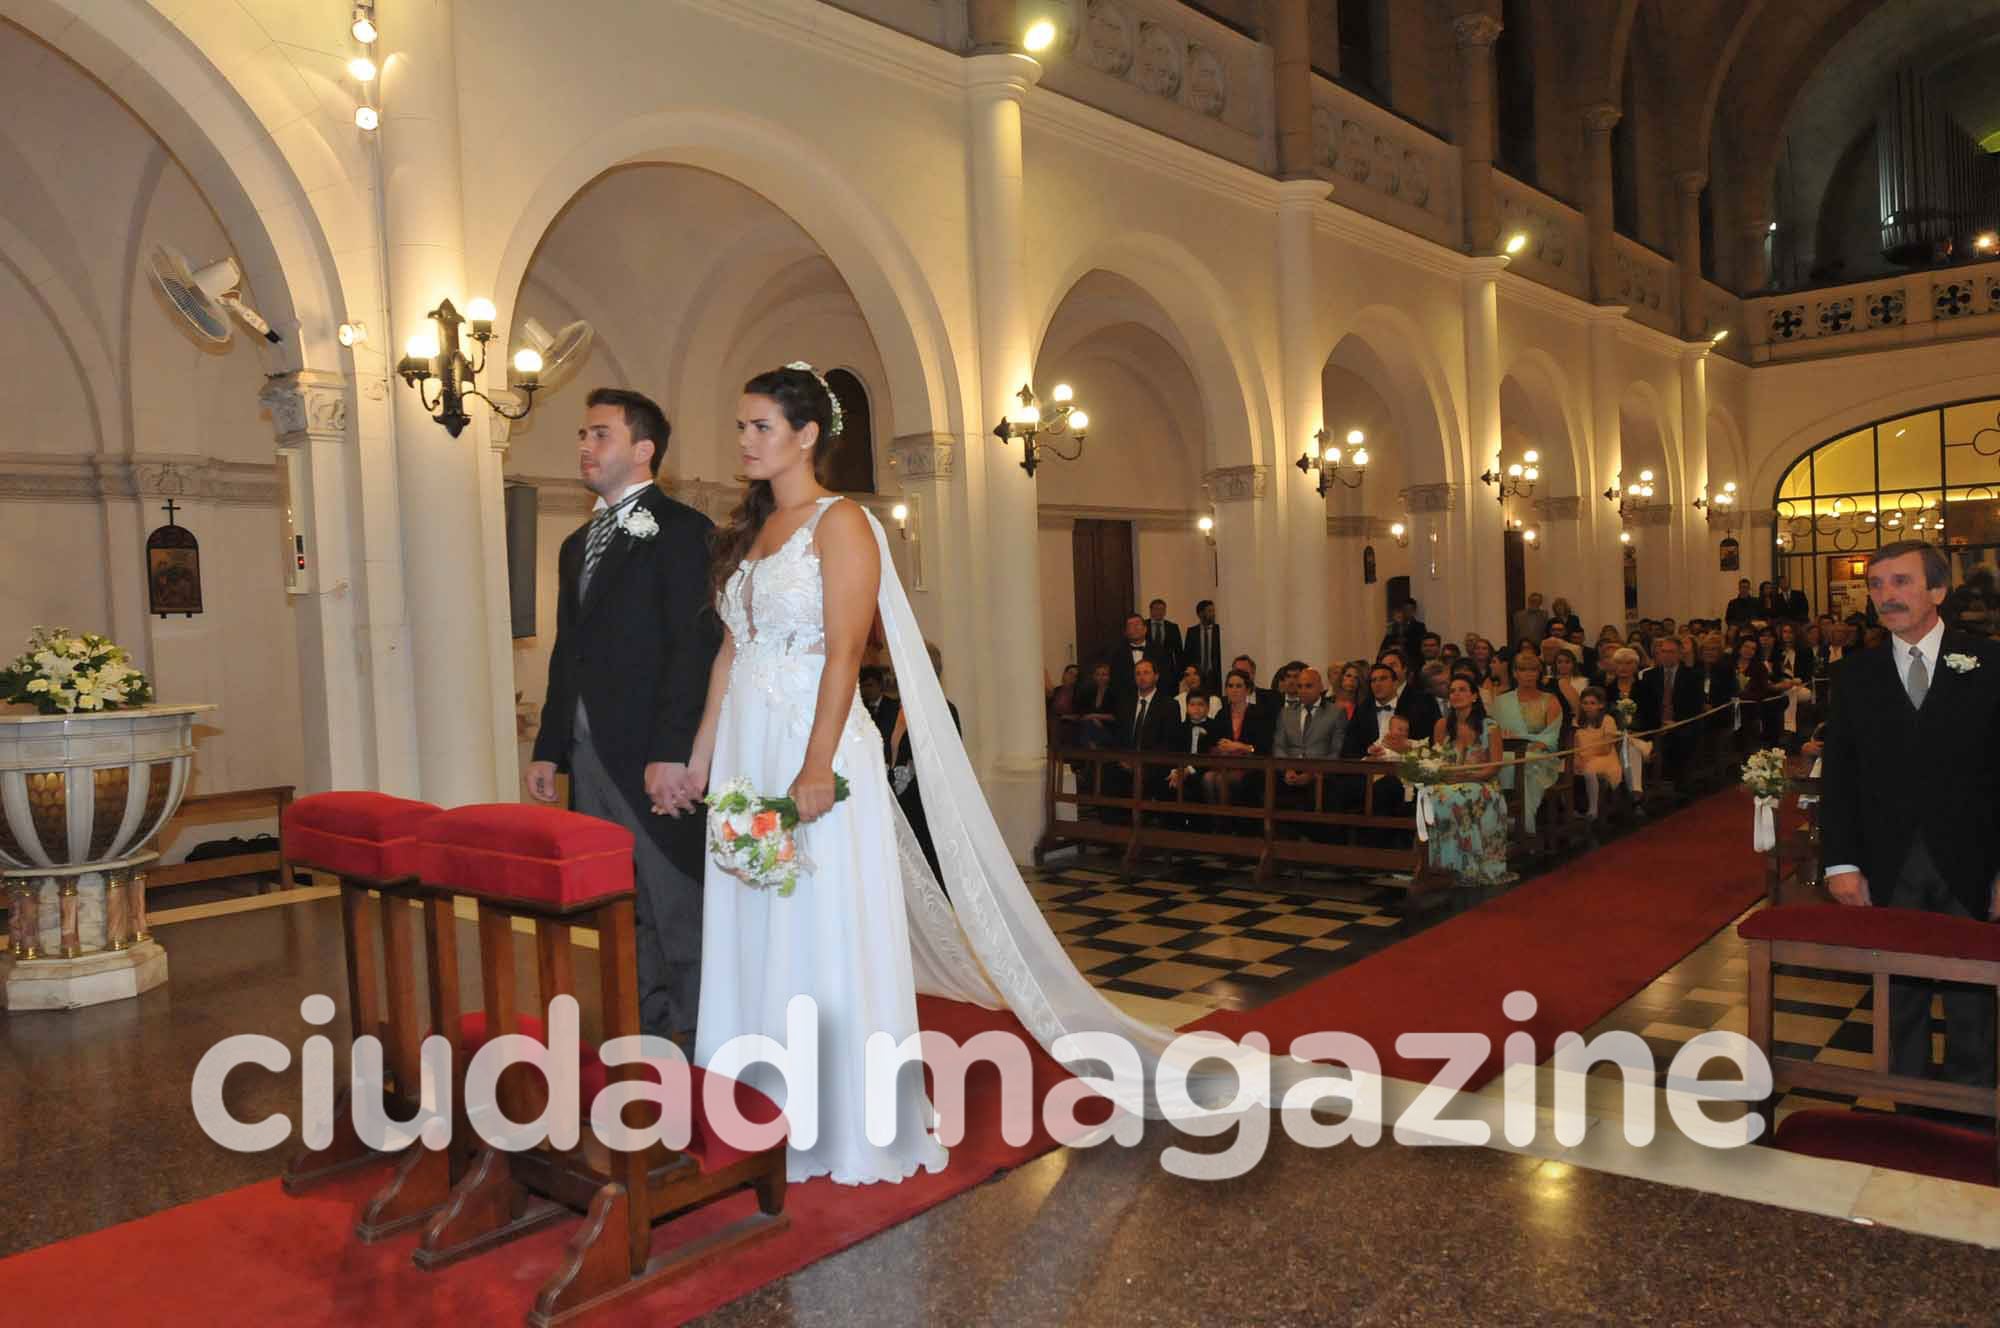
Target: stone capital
x,y
1602,117
1007,75
1235,484
1759,516
1730,519
1472,30
306,404
1650,514
1345,525
1559,509
924,456
1431,497
1691,182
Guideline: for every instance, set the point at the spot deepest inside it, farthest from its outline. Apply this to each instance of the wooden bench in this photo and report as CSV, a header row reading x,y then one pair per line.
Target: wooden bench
x,y
262,801
1258,828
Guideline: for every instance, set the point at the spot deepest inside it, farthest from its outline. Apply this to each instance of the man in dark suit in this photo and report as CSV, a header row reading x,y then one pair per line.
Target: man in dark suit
x,y
1126,656
1369,728
1204,647
1423,704
1912,776
1164,637
1668,693
881,707
1743,608
1148,721
628,678
1794,602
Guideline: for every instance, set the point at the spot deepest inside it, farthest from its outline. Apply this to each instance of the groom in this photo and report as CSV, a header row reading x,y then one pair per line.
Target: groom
x,y
1912,777
627,682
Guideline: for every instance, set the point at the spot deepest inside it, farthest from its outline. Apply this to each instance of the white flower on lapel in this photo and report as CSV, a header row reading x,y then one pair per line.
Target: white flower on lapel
x,y
637,522
1961,663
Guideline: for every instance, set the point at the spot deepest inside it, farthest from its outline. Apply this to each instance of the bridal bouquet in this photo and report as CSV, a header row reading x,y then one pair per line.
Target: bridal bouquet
x,y
754,838
1423,762
63,672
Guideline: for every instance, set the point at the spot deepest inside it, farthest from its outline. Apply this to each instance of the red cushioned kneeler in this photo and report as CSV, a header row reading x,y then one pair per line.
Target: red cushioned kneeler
x,y
557,870
525,854
369,835
1900,1143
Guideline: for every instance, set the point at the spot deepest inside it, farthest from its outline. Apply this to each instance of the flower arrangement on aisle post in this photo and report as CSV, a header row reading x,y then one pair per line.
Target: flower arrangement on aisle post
x,y
64,672
1764,775
1627,710
755,839
1422,764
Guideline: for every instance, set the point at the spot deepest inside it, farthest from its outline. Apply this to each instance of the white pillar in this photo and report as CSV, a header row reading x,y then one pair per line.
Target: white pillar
x,y
1302,508
1441,562
461,706
1696,593
1246,546
1481,604
1605,587
1566,562
995,85
1355,634
315,456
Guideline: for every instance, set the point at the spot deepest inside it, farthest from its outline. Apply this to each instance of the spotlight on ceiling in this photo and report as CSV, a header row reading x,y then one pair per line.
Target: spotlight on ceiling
x,y
363,69
364,23
353,334
366,117
1517,242
1040,36
1987,242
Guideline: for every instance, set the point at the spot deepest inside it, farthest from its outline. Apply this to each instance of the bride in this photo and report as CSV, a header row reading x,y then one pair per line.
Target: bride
x,y
799,575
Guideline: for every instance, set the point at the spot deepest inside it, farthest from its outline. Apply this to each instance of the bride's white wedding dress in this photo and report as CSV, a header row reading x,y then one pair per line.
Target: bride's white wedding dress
x,y
868,927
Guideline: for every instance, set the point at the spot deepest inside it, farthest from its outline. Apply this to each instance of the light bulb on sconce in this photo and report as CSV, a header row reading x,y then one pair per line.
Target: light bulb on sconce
x,y
367,118
1529,535
1400,533
1625,537
422,346
1063,394
900,513
528,364
1079,420
362,69
1206,525
363,26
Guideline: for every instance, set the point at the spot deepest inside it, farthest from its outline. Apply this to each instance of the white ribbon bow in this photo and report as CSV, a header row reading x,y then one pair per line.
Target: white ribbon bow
x,y
1426,813
1635,770
1764,825
1735,714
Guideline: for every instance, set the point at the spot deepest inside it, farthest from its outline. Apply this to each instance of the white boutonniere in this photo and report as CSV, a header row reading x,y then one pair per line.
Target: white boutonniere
x,y
637,522
1961,663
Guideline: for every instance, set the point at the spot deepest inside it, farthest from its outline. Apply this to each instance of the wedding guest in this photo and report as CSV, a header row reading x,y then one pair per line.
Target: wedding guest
x,y
1531,713
1468,838
1561,612
1596,741
1480,652
1531,624
1204,646
1761,699
1242,729
1744,607
1349,689
1191,686
1062,707
1567,681
1096,707
1197,737
1164,637
1311,730
1496,682
884,710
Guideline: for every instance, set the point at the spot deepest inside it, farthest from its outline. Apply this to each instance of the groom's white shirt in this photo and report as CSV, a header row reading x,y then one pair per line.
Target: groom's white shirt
x,y
629,491
1929,647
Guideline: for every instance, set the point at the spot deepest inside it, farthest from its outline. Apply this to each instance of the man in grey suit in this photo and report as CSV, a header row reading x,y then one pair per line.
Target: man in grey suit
x,y
1310,728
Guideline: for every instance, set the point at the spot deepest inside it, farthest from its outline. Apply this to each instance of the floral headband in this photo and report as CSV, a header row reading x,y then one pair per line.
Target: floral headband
x,y
832,400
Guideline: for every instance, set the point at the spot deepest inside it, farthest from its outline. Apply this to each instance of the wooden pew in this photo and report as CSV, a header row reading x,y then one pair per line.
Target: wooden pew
x,y
242,802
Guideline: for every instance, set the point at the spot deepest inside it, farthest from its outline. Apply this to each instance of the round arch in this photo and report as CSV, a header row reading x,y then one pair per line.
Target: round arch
x,y
1640,398
1433,448
1206,334
79,335
1902,401
1546,387
864,247
159,68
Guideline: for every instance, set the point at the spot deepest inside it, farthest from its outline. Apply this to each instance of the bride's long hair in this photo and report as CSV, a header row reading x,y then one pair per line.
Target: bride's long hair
x,y
803,399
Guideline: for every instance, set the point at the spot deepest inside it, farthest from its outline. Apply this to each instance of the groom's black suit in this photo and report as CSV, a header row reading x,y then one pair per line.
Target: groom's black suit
x,y
628,679
1909,798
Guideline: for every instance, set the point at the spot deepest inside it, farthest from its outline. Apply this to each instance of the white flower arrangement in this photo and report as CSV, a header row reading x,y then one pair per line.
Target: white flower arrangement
x,y
1764,773
637,522
1423,762
63,672
1961,663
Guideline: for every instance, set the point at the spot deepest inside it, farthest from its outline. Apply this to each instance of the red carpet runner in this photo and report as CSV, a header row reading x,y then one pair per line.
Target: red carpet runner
x,y
1581,940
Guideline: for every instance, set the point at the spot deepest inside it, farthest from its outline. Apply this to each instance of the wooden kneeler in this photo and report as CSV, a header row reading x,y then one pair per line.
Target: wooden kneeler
x,y
558,870
368,841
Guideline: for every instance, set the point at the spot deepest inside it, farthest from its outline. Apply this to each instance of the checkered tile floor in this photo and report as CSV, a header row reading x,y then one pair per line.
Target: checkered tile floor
x,y
1820,1014
1195,937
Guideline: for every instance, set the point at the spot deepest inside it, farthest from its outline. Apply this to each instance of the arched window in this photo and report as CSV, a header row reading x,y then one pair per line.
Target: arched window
x,y
853,468
1933,476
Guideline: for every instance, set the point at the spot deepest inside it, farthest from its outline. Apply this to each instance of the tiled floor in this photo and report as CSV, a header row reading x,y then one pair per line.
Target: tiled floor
x,y
1198,939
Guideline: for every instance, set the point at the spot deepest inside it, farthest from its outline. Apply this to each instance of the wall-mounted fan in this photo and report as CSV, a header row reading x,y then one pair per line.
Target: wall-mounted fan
x,y
205,297
562,354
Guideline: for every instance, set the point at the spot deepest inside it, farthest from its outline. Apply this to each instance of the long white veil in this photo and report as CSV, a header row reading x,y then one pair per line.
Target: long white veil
x,y
1014,959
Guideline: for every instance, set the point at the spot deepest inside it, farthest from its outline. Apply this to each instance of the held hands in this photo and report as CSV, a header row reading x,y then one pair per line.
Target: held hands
x,y
1848,887
674,788
542,781
812,792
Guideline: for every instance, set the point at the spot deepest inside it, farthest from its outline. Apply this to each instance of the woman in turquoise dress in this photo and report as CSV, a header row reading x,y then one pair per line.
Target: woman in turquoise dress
x,y
1469,835
1531,713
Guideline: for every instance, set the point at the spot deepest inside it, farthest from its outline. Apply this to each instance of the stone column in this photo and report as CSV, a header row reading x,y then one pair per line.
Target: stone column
x,y
1440,560
1475,35
1481,593
1567,567
458,707
1301,506
992,25
1291,43
1753,256
1354,634
1687,254
1605,586
316,459
995,86
1246,546
1700,579
1599,208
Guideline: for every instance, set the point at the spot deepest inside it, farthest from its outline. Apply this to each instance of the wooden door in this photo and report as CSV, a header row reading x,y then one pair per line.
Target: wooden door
x,y
1517,582
1105,584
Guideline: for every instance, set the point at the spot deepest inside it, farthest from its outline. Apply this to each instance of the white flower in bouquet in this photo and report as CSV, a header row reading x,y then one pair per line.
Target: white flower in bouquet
x,y
63,672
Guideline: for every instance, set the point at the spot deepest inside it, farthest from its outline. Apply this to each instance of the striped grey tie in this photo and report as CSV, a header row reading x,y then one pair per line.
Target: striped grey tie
x,y
602,526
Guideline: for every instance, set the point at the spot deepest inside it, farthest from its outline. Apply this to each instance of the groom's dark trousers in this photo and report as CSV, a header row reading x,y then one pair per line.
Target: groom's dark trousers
x,y
627,681
1968,1010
